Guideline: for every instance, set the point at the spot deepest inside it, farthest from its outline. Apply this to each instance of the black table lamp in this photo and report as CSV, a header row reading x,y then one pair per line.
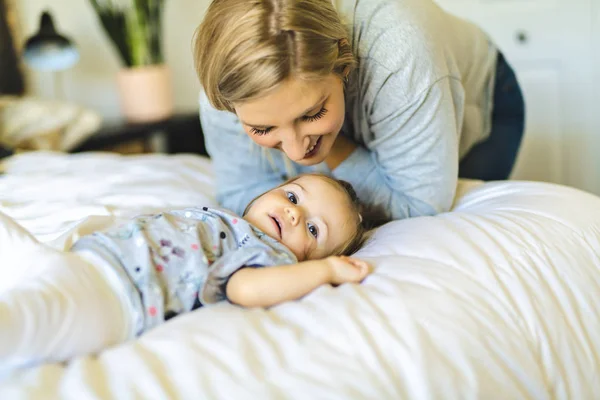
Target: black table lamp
x,y
49,50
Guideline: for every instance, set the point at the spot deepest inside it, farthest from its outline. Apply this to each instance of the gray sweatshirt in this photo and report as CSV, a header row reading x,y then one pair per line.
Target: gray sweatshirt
x,y
422,97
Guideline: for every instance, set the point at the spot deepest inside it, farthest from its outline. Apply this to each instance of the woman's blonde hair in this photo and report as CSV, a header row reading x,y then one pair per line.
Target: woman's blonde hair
x,y
245,48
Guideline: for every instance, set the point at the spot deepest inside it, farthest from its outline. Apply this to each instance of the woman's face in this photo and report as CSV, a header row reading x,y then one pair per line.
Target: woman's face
x,y
300,118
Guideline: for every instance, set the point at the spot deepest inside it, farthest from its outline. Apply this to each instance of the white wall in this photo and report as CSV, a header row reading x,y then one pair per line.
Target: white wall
x,y
558,68
595,51
92,82
564,45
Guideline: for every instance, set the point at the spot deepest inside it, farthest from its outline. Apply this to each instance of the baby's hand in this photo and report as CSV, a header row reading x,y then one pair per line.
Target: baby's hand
x,y
346,269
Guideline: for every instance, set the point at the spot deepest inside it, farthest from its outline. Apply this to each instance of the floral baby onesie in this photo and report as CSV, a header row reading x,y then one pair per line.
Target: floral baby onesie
x,y
176,261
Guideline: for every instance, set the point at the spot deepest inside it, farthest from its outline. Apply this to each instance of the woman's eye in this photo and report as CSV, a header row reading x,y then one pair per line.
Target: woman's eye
x,y
260,132
292,197
317,116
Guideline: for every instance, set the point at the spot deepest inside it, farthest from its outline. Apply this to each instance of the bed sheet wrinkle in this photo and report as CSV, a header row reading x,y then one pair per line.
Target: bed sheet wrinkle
x,y
451,366
571,303
545,200
538,299
53,193
495,299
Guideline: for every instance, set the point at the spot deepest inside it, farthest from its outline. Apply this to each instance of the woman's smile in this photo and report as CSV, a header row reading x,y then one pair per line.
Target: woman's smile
x,y
314,149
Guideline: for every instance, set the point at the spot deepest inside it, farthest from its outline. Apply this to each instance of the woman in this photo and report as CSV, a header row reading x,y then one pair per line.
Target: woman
x,y
395,96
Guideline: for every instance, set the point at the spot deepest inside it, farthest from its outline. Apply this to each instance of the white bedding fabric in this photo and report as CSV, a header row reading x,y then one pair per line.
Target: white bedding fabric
x,y
497,299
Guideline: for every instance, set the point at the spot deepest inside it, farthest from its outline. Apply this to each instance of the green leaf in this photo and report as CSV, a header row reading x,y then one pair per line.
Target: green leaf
x,y
135,30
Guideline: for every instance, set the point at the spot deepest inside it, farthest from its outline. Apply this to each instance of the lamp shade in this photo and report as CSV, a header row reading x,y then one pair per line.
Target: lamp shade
x,y
49,50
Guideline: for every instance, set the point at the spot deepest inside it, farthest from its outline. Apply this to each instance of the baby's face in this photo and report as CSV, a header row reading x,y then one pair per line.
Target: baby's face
x,y
311,216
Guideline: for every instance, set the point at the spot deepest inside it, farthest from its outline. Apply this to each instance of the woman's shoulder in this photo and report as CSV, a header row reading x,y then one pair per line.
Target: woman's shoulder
x,y
396,35
399,43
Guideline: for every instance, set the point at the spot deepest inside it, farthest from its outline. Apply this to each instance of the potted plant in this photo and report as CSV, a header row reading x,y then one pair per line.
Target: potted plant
x,y
134,27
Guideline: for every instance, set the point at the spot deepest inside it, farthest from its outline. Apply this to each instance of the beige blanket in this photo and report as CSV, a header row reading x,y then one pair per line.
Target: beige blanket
x,y
28,123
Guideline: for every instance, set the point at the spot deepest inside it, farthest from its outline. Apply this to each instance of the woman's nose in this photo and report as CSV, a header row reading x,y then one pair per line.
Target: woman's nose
x,y
293,215
295,146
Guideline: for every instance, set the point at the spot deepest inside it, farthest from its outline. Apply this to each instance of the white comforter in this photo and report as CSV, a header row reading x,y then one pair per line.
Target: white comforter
x,y
497,299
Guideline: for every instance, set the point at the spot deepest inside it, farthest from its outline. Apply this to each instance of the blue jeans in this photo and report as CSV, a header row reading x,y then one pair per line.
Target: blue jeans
x,y
494,158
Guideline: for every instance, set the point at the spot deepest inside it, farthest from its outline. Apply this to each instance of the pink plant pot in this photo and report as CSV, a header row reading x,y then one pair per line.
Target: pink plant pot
x,y
146,93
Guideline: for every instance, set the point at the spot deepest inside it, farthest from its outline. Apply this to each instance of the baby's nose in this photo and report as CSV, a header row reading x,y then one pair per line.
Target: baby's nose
x,y
293,215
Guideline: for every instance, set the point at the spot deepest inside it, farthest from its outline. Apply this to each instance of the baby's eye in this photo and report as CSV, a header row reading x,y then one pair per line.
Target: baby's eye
x,y
292,197
313,230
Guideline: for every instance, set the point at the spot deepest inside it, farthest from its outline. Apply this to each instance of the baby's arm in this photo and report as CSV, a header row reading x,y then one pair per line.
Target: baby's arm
x,y
264,287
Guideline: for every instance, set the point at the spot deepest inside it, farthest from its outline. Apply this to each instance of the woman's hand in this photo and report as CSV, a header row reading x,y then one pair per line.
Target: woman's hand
x,y
346,269
341,149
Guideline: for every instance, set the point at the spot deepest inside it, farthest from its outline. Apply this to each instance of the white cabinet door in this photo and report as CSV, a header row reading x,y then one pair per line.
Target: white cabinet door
x,y
549,44
541,157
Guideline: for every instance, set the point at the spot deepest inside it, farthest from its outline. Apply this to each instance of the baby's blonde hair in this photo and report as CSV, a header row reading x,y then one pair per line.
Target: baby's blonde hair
x,y
245,48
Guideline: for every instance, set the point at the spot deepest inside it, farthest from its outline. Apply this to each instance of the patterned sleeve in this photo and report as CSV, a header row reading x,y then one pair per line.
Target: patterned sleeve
x,y
219,272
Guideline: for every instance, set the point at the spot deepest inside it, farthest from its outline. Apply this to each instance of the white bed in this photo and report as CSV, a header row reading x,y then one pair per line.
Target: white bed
x,y
497,299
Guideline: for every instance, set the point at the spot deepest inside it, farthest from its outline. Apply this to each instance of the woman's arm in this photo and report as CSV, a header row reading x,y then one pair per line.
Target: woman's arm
x,y
410,165
264,287
408,106
241,172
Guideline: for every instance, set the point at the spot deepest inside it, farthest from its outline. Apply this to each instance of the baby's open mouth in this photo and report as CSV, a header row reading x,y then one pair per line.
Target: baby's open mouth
x,y
277,226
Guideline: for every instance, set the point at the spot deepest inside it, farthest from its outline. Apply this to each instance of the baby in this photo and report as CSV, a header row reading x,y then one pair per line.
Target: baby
x,y
117,284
